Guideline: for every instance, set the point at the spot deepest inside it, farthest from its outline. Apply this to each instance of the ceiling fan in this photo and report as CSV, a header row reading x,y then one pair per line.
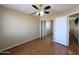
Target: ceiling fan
x,y
41,10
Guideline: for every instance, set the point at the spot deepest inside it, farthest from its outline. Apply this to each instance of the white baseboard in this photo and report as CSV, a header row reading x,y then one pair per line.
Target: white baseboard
x,y
17,44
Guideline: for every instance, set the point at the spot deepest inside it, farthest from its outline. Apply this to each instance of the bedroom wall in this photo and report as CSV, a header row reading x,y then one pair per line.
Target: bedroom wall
x,y
47,17
17,27
60,30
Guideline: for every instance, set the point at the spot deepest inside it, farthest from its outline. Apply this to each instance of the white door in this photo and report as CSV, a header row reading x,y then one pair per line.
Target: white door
x,y
60,30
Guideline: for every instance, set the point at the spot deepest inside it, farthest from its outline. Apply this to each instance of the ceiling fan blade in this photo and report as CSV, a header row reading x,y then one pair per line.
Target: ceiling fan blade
x,y
33,13
46,12
47,7
35,6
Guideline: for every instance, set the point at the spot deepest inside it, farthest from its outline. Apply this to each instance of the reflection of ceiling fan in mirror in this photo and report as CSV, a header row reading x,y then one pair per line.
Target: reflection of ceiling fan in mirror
x,y
41,10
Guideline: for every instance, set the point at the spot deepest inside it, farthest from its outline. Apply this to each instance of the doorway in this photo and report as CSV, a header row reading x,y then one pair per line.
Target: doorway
x,y
74,33
47,29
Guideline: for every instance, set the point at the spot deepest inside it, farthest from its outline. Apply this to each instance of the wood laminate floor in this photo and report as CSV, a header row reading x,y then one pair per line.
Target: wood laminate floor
x,y
41,46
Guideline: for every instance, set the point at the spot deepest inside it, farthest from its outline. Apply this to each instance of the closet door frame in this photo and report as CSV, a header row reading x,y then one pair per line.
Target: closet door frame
x,y
43,30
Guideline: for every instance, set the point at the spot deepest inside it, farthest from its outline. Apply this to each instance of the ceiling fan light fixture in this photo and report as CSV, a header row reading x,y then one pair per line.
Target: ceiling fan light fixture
x,y
41,13
41,10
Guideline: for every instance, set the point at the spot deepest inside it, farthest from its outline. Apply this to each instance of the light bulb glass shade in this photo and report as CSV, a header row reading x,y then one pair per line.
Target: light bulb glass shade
x,y
37,13
41,13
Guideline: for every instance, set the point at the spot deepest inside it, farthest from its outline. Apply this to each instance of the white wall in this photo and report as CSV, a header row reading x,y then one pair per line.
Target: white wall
x,y
17,28
47,17
60,30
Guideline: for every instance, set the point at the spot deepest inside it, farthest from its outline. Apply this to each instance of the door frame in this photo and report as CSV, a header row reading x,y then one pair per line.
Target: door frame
x,y
52,26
